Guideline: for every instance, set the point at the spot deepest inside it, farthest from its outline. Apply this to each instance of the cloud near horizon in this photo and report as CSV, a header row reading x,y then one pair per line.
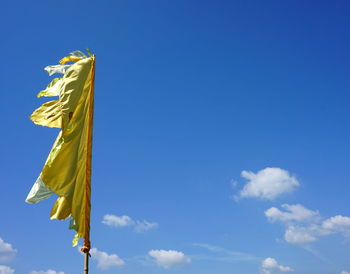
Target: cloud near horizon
x,y
304,226
169,258
122,221
270,266
104,260
50,271
267,184
7,252
4,269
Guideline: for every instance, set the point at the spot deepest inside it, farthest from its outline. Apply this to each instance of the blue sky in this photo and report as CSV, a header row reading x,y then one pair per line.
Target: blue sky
x,y
221,136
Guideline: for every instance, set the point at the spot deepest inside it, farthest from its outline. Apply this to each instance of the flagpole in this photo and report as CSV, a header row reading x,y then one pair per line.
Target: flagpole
x,y
86,262
87,245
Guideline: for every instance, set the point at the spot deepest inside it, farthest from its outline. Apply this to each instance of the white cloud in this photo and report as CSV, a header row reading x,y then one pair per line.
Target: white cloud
x,y
50,271
292,213
144,226
7,252
338,224
139,226
104,260
270,266
117,221
299,235
344,272
169,258
6,270
267,183
304,226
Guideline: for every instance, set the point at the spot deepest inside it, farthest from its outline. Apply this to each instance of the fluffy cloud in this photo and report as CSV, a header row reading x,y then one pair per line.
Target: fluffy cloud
x,y
304,226
270,266
116,221
50,271
104,260
337,224
344,272
168,258
292,213
7,252
6,270
299,235
267,183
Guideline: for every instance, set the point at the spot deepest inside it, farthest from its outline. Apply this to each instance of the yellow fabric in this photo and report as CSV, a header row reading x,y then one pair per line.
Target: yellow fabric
x,y
52,89
61,209
69,59
49,114
67,170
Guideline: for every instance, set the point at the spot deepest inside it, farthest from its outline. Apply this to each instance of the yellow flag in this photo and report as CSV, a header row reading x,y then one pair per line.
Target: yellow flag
x,y
67,171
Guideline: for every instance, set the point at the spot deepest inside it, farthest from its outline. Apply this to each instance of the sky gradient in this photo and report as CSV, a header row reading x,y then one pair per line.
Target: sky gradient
x,y
221,136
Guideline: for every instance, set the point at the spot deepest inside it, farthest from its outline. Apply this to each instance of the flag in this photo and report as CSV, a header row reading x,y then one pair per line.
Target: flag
x,y
67,170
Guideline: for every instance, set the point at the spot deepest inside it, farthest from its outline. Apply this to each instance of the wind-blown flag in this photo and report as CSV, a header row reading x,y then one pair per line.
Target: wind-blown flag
x,y
67,171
